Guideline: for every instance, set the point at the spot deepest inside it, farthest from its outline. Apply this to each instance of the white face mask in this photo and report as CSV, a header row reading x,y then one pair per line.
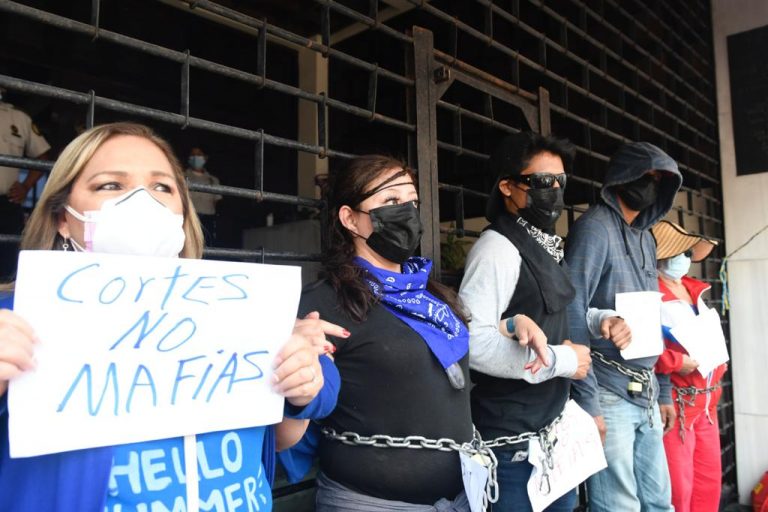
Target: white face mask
x,y
675,267
134,223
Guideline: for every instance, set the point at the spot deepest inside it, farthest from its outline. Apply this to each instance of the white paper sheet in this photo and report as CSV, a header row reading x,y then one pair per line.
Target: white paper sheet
x,y
642,311
702,336
475,477
578,454
134,349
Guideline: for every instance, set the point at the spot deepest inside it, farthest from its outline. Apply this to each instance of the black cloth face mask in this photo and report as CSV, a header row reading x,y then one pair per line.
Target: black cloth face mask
x,y
641,193
397,231
543,207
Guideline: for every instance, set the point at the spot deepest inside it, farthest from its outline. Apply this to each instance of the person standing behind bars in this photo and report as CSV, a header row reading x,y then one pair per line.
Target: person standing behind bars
x,y
18,137
204,202
610,250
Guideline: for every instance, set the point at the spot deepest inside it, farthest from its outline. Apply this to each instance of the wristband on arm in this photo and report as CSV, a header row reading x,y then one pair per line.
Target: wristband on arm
x,y
511,325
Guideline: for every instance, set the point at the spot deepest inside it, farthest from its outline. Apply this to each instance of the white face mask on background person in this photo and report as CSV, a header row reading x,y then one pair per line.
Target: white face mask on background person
x,y
197,162
675,267
135,224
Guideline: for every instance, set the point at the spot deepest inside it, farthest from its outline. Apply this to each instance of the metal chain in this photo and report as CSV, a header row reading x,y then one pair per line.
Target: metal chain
x,y
547,441
507,440
444,444
477,446
644,376
692,392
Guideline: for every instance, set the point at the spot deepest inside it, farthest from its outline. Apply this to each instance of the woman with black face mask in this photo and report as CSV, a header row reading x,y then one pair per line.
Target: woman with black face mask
x,y
404,367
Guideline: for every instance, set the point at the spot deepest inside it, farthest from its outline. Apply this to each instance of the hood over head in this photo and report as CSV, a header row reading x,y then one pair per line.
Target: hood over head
x,y
630,163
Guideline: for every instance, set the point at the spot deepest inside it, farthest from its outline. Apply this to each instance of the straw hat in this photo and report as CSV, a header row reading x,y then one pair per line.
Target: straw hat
x,y
671,240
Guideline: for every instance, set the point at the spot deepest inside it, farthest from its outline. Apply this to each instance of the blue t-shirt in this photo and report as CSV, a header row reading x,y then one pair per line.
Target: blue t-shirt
x,y
149,476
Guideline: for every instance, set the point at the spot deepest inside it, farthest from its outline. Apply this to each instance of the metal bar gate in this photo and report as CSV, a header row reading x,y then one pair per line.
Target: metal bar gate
x,y
437,82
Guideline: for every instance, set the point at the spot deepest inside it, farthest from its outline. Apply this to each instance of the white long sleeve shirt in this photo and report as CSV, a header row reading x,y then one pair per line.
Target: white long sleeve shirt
x,y
490,277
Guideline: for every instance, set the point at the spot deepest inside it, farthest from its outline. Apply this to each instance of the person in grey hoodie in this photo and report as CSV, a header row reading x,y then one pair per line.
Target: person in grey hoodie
x,y
610,250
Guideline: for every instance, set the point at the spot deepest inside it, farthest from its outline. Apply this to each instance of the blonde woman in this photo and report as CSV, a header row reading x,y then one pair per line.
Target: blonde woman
x,y
133,172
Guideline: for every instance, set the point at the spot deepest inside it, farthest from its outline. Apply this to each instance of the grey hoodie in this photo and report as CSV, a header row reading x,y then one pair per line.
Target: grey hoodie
x,y
607,256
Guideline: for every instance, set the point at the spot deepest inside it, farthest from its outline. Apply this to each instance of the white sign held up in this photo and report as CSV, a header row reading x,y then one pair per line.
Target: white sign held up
x,y
577,454
702,336
134,349
642,311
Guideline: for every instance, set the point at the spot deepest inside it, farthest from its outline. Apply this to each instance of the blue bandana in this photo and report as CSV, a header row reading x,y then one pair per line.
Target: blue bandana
x,y
406,296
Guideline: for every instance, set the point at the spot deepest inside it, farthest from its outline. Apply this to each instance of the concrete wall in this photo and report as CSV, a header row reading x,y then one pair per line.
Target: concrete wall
x,y
745,200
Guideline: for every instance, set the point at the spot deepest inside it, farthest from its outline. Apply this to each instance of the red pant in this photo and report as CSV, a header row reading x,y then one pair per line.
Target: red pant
x,y
694,466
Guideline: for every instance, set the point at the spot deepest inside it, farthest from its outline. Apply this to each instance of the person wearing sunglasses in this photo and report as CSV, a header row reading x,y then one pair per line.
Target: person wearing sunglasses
x,y
610,250
693,444
516,289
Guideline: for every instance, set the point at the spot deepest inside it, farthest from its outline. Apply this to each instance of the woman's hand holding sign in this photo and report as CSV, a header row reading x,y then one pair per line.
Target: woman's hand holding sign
x,y
17,342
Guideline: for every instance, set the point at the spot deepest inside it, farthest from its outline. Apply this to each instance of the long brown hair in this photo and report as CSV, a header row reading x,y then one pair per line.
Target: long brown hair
x,y
348,186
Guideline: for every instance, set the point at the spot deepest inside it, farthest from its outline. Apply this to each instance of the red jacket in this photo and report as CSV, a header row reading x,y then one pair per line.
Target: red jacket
x,y
671,360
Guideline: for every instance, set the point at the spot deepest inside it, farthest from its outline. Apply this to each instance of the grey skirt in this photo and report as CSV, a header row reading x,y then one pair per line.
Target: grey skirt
x,y
334,497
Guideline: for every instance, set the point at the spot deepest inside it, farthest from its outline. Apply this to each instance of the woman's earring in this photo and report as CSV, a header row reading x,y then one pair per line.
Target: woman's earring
x,y
65,245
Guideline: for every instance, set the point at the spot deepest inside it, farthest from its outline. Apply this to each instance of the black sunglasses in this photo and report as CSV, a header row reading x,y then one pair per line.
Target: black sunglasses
x,y
540,179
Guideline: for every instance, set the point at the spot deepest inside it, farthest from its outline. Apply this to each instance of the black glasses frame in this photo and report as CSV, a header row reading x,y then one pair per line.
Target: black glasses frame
x,y
539,180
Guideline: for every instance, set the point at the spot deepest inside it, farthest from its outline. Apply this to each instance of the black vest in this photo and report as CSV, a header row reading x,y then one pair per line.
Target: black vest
x,y
502,407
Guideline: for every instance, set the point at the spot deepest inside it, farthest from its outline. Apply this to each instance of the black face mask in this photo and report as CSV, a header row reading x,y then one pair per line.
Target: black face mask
x,y
641,193
396,231
543,207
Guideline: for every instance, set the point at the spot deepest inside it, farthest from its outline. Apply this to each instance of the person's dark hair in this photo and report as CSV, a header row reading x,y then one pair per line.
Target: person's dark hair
x,y
349,186
514,154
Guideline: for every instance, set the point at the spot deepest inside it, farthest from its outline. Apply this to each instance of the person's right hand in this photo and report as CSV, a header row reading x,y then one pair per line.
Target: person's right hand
x,y
689,365
583,358
17,342
316,330
617,330
17,193
600,422
530,335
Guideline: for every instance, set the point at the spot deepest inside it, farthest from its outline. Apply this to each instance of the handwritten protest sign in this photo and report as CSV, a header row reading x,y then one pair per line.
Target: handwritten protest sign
x,y
135,349
577,454
702,336
642,311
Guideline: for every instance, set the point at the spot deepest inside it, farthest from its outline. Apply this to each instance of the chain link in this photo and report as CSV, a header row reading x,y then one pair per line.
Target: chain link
x,y
547,441
474,447
641,376
692,392
644,377
507,440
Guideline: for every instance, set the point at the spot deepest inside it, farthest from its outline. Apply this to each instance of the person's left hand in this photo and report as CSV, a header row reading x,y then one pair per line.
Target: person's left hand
x,y
668,416
17,193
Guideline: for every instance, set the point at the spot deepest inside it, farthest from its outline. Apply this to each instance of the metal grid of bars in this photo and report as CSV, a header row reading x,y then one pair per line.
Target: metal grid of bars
x,y
599,73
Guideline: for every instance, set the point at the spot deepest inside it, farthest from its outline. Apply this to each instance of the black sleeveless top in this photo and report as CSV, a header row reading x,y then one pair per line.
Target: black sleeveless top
x,y
503,407
392,384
